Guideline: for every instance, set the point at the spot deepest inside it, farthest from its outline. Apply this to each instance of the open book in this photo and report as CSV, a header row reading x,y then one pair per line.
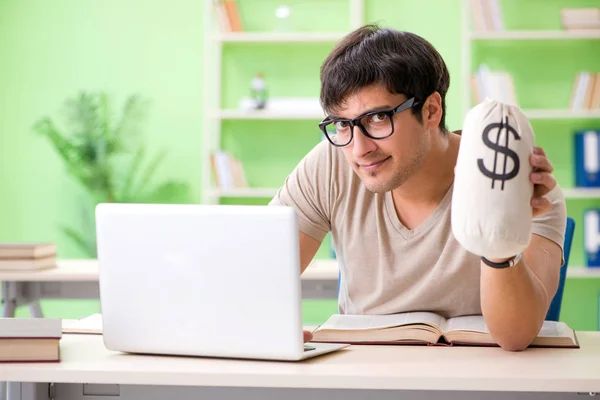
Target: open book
x,y
428,328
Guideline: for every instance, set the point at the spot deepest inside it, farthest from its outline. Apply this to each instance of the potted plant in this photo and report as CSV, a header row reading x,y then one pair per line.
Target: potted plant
x,y
106,155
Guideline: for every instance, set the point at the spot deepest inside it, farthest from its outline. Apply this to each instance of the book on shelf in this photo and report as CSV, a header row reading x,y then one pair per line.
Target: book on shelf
x,y
486,15
580,19
228,15
591,237
587,158
30,339
426,328
496,85
27,256
228,171
586,91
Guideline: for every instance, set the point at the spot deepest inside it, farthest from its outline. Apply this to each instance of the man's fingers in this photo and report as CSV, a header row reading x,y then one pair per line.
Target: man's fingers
x,y
539,150
544,182
307,336
541,163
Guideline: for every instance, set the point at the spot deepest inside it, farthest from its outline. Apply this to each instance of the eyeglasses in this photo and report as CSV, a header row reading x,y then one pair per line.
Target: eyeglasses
x,y
374,124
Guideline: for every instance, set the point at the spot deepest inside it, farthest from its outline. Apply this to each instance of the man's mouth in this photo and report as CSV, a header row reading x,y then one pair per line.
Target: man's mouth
x,y
374,165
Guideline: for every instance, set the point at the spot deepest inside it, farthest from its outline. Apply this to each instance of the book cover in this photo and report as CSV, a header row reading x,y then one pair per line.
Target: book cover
x,y
587,158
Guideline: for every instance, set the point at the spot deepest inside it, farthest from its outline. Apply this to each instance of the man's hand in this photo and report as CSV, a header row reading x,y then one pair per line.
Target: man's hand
x,y
307,336
543,181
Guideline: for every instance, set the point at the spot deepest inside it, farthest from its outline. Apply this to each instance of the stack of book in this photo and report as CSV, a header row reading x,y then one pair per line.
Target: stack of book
x,y
228,16
494,85
27,256
228,171
578,19
487,15
30,339
586,91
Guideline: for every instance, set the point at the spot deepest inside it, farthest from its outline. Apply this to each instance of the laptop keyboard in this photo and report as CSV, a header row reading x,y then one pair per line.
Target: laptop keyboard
x,y
308,348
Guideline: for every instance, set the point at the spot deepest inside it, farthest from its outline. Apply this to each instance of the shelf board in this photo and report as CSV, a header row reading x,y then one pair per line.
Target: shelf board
x,y
536,35
562,114
582,272
279,37
246,192
581,193
270,114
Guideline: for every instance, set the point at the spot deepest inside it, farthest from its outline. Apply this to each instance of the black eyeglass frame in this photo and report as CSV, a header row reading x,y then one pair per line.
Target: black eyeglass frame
x,y
405,105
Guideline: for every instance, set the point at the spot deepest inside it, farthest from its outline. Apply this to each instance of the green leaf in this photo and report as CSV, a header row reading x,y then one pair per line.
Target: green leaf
x,y
144,181
88,246
128,182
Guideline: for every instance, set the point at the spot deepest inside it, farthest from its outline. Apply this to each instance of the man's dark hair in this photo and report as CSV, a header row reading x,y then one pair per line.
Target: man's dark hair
x,y
403,62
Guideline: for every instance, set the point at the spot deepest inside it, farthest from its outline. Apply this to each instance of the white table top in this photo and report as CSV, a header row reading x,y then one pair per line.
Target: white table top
x,y
73,270
84,359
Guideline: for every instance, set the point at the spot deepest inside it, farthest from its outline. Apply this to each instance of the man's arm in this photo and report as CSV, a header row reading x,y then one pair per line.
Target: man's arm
x,y
515,300
308,249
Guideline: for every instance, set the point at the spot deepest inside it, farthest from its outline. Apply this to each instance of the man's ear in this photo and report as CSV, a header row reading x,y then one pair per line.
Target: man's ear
x,y
432,110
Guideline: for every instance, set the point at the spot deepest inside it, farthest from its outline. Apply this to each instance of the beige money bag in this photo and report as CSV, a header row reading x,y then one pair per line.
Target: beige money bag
x,y
491,201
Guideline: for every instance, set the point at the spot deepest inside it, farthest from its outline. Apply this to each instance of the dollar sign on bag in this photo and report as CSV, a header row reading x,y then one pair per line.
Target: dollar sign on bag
x,y
502,175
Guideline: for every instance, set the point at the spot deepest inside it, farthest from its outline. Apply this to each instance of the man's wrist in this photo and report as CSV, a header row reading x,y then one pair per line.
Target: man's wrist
x,y
502,262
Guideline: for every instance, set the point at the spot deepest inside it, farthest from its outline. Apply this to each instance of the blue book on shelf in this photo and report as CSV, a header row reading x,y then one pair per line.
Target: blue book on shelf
x,y
591,237
587,158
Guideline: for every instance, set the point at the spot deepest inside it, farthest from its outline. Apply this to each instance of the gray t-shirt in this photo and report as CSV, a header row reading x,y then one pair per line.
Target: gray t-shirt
x,y
385,267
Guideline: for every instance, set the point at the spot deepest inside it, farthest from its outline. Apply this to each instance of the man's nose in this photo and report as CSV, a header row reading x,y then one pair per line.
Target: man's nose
x,y
361,144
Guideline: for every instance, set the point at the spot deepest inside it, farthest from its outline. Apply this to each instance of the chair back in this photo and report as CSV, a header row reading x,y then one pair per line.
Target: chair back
x,y
554,310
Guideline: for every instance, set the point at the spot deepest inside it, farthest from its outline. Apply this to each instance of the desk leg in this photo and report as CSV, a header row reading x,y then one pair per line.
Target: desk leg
x,y
35,310
21,293
9,299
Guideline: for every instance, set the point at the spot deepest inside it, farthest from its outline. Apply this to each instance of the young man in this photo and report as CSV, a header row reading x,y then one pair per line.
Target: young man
x,y
382,184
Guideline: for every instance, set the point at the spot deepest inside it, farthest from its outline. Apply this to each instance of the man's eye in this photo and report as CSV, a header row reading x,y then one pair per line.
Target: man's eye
x,y
380,117
341,125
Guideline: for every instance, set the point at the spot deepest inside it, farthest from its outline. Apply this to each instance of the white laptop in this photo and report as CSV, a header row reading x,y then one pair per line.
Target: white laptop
x,y
202,280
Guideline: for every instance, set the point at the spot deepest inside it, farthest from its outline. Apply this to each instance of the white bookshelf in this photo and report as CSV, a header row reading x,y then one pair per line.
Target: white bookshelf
x,y
582,193
582,272
215,41
278,37
562,114
270,115
469,36
535,35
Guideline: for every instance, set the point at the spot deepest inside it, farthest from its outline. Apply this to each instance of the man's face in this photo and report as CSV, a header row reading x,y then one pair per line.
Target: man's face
x,y
383,164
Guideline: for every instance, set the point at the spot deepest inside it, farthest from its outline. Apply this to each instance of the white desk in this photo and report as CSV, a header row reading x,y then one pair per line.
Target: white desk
x,y
78,279
417,372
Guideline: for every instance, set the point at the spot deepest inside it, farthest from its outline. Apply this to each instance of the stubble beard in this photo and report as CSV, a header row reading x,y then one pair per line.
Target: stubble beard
x,y
399,175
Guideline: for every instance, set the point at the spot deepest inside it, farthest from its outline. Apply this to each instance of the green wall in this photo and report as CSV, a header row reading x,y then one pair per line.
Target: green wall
x,y
49,51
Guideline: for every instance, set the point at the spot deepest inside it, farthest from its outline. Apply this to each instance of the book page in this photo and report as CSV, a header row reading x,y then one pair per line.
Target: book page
x,y
91,325
474,323
554,329
359,322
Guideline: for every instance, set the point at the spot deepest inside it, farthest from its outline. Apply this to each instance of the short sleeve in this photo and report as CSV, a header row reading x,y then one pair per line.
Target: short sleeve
x,y
307,189
552,224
